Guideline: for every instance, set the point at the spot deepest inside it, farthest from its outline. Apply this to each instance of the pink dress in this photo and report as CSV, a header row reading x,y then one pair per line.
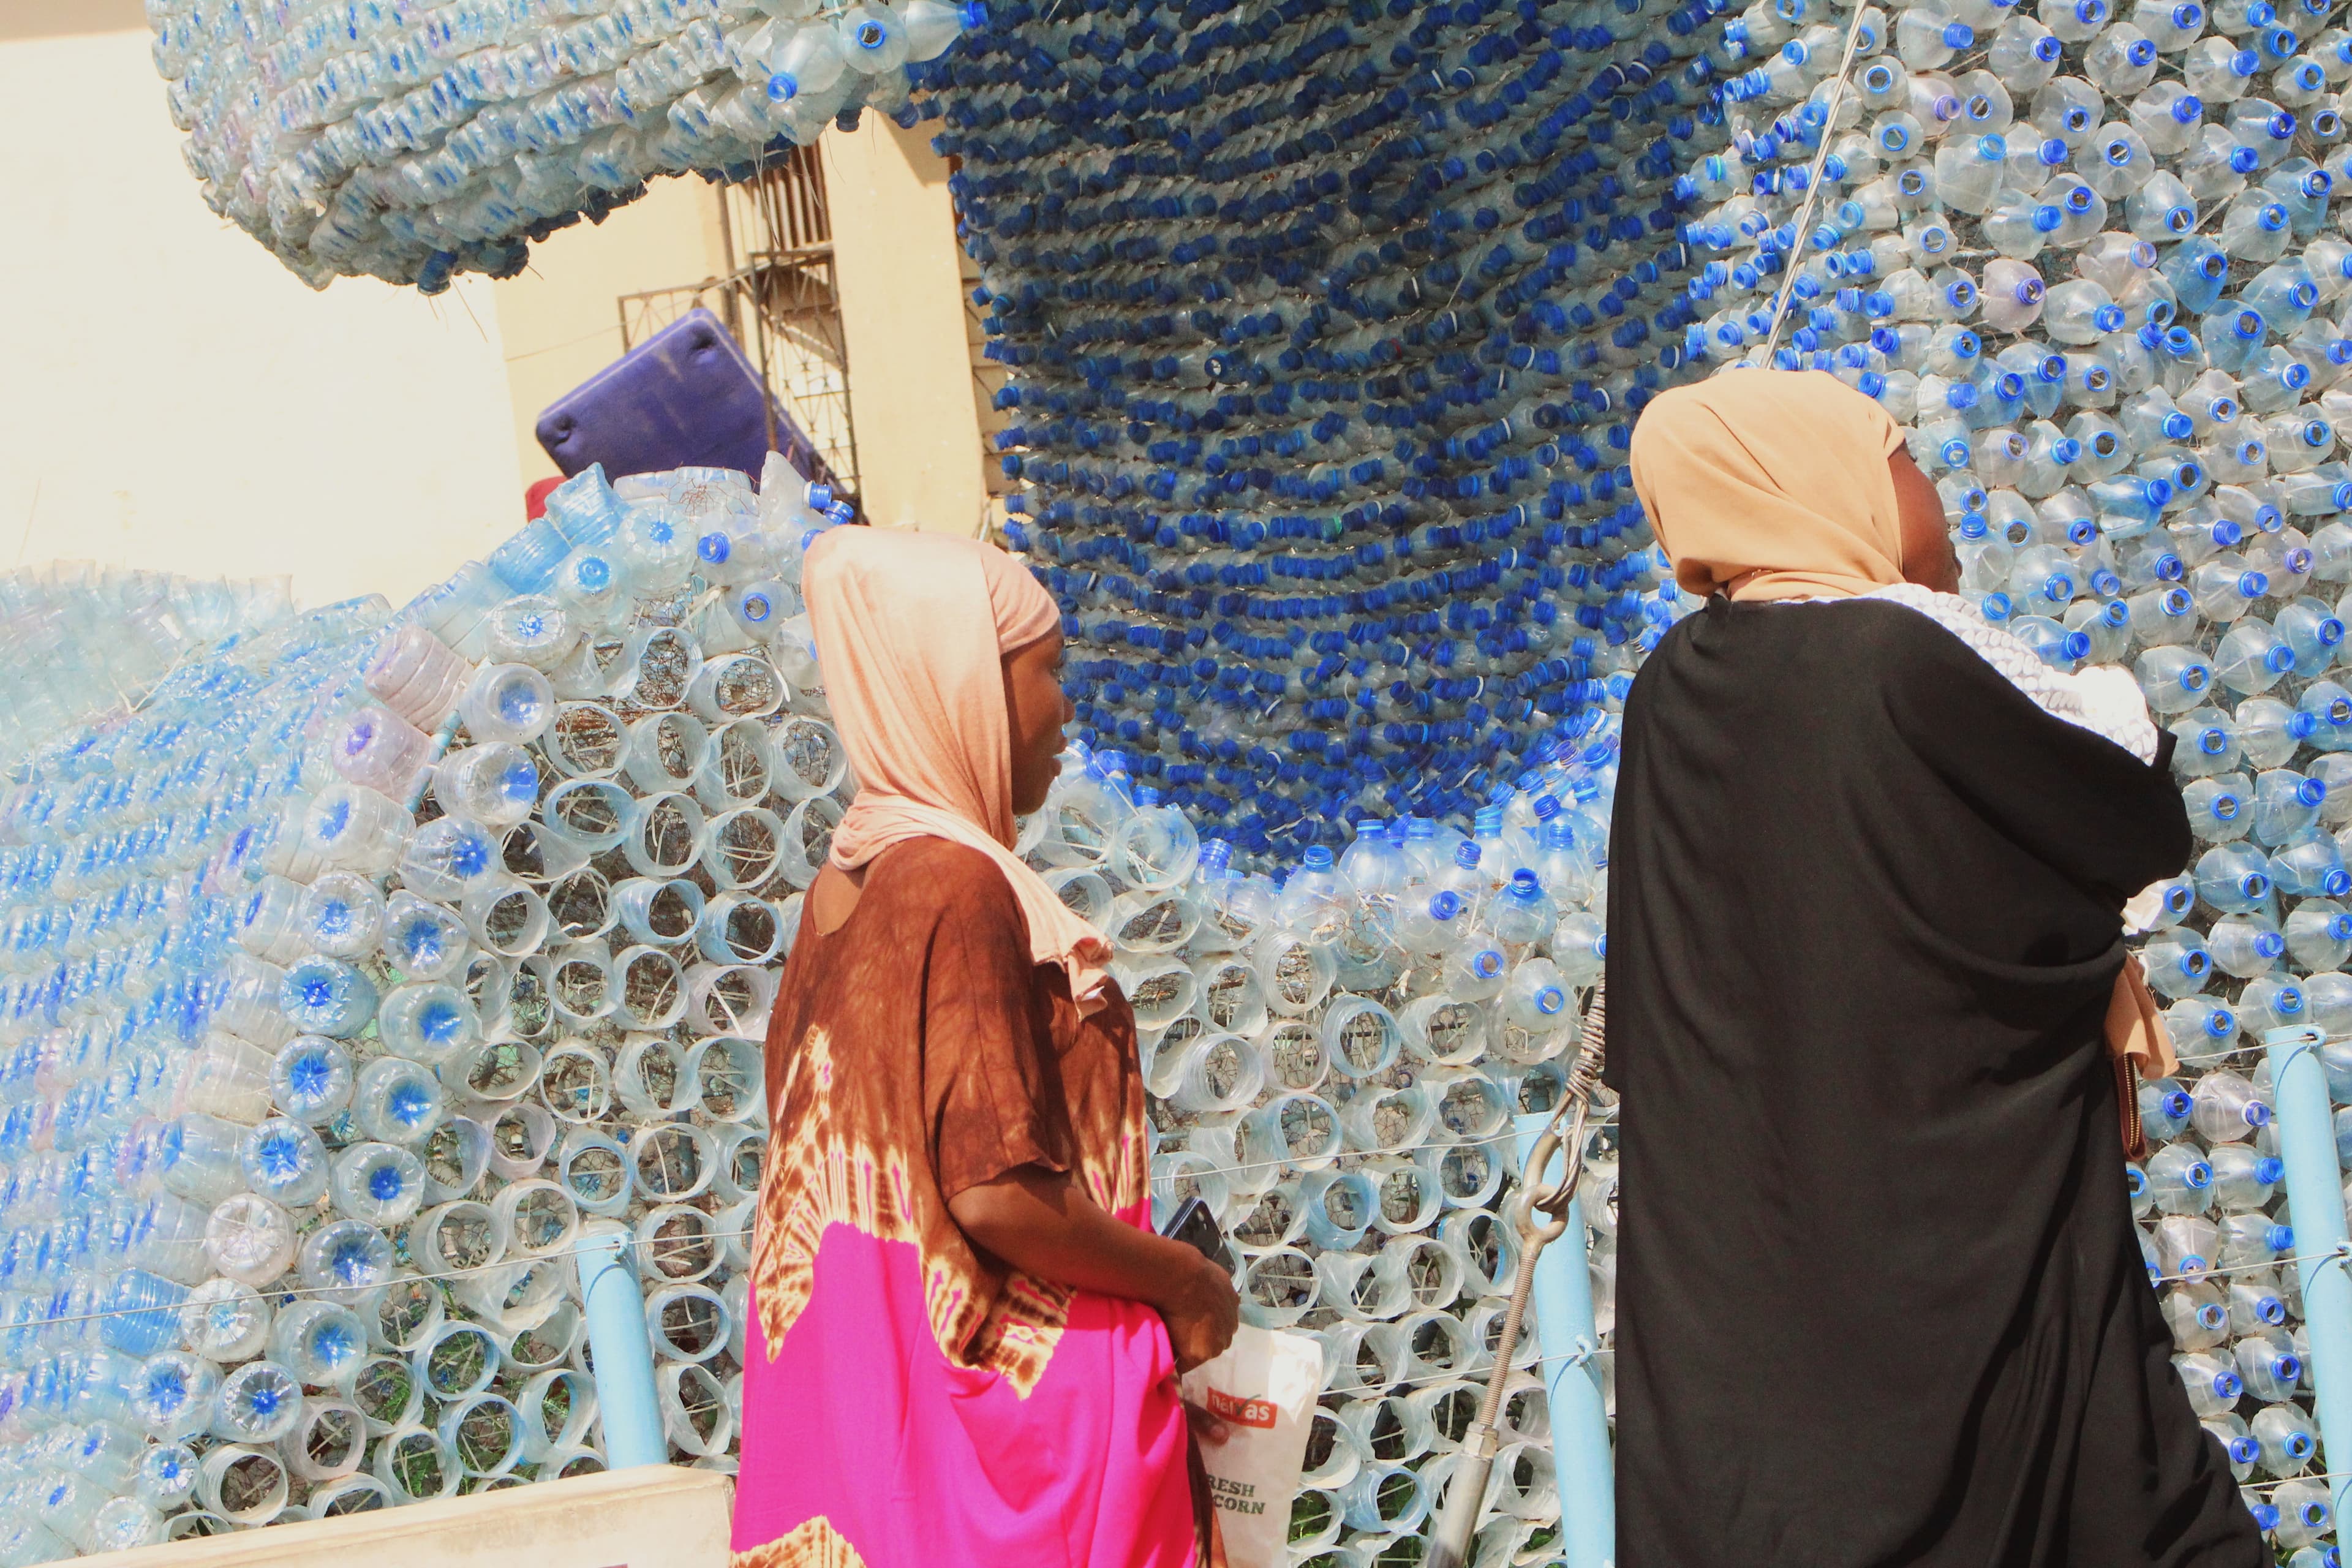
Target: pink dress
x,y
908,1403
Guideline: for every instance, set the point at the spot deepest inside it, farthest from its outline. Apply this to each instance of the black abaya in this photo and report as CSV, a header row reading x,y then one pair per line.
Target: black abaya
x,y
1879,1298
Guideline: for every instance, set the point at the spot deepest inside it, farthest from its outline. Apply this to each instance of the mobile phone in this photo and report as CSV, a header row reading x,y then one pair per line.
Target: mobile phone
x,y
1196,1227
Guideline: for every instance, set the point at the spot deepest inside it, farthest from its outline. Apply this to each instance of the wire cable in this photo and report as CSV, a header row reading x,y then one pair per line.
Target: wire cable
x,y
274,1294
1813,182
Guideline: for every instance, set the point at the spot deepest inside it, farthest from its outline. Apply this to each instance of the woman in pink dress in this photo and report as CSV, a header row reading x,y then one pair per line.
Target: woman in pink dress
x,y
964,1337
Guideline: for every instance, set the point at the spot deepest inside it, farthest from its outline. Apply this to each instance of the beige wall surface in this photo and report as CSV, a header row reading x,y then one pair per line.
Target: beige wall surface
x,y
910,385
172,399
57,18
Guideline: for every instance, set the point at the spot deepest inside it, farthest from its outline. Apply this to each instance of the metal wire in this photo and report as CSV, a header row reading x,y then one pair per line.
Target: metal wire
x,y
2253,1046
1813,182
1606,1118
2338,1256
273,1293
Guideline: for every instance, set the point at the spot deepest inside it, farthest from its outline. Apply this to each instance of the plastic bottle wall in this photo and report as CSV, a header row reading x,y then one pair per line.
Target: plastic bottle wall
x,y
407,142
371,957
1328,326
1314,354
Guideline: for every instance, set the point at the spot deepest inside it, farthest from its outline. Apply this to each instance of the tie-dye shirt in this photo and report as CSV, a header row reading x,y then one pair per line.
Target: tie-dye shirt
x,y
909,1402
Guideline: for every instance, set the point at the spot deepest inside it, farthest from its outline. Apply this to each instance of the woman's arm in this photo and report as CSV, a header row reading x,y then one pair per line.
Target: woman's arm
x,y
1042,1223
2073,800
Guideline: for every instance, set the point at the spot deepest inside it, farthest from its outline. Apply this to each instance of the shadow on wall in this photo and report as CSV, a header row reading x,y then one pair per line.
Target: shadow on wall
x,y
57,18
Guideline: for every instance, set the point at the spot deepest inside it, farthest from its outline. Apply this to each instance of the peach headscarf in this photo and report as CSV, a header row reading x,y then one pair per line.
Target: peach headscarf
x,y
1771,484
909,629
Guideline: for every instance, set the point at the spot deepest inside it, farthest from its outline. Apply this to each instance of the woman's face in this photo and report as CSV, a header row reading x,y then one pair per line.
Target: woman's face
x,y
1927,558
1036,709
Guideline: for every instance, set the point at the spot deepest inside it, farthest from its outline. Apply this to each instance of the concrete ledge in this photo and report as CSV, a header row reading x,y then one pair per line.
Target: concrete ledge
x,y
659,1516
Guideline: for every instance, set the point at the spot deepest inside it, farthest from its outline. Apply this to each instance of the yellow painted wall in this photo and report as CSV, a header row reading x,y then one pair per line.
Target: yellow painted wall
x,y
172,398
910,384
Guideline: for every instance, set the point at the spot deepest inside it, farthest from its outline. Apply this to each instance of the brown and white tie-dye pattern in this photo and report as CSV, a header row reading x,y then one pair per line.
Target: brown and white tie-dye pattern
x,y
814,1545
918,1051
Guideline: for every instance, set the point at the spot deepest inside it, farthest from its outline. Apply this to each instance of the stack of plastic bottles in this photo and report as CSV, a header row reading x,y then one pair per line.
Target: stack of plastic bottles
x,y
351,975
76,639
116,939
1326,326
373,959
1328,321
1365,299
1336,1063
412,143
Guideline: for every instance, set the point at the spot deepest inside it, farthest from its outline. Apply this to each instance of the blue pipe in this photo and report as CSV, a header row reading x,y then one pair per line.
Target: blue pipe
x,y
623,1349
2315,1196
1580,1420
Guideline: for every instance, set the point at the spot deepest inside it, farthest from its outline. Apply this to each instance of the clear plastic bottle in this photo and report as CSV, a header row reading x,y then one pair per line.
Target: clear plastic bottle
x,y
2226,1106
379,1183
2243,1179
2318,935
2174,679
2024,53
2179,1181
257,1403
284,1161
1316,900
2287,1438
2230,1430
2199,1317
2213,1385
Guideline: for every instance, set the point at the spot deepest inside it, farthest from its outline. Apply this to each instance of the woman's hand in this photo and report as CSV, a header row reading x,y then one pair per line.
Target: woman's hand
x,y
1202,1311
1209,1429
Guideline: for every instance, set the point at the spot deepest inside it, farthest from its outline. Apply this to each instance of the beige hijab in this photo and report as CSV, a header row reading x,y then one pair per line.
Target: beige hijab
x,y
910,628
1771,484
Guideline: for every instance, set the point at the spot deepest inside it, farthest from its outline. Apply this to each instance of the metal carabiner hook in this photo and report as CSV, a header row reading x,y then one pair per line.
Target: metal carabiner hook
x,y
1457,1522
1553,1200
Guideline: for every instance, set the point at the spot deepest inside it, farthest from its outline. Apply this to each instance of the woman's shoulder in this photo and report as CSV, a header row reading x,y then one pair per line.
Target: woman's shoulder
x,y
938,876
1864,660
1917,632
1868,635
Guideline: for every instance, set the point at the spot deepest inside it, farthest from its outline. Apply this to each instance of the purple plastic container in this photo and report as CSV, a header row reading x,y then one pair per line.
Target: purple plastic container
x,y
686,398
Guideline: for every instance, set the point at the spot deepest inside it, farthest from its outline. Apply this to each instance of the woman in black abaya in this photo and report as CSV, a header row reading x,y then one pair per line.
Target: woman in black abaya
x,y
1880,1300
